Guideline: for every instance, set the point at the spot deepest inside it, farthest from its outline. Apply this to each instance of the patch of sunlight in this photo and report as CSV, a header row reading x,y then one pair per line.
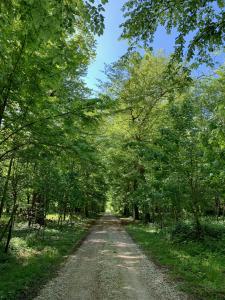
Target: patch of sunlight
x,y
206,263
20,246
55,217
210,261
109,207
181,255
130,257
129,288
51,251
214,267
214,273
5,218
21,225
18,243
151,229
51,230
52,217
28,253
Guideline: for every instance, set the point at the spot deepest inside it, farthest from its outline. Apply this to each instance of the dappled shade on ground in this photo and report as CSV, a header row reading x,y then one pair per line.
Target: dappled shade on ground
x,y
109,265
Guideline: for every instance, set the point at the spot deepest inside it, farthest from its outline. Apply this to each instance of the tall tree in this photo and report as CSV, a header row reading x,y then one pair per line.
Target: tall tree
x,y
200,25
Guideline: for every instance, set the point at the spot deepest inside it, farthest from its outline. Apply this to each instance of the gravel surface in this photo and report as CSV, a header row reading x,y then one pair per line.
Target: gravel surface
x,y
109,265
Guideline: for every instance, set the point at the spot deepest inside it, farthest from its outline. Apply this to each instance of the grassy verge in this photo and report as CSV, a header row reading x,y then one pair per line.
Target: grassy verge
x,y
34,257
198,266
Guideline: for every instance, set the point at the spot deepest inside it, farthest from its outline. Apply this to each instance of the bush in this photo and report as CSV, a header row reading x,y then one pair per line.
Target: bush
x,y
183,232
188,232
214,231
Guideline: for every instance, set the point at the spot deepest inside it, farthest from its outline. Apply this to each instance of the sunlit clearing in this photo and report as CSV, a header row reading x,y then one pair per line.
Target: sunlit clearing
x,y
109,207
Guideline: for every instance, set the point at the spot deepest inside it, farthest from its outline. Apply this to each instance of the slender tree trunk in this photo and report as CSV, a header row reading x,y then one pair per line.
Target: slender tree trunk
x,y
223,213
60,219
64,210
147,217
195,208
161,219
40,210
217,206
11,224
136,212
5,229
126,211
198,226
7,208
5,189
31,210
86,211
152,212
15,206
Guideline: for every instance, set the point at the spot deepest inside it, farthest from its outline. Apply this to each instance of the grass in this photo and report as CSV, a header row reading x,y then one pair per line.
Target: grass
x,y
34,257
197,266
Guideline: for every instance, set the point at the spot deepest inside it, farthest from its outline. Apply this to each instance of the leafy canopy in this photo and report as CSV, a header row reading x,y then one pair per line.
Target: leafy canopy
x,y
203,21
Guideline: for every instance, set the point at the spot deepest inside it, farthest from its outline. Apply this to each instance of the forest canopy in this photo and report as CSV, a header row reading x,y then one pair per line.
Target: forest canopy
x,y
152,142
148,145
199,26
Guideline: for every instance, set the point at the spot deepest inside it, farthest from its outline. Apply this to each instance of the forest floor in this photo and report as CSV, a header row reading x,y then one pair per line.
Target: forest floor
x,y
109,265
35,256
196,264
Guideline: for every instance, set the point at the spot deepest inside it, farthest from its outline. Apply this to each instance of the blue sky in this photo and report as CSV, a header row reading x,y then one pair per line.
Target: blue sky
x,y
109,48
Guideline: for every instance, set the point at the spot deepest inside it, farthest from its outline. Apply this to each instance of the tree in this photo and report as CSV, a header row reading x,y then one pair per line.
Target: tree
x,y
164,154
141,97
46,114
203,22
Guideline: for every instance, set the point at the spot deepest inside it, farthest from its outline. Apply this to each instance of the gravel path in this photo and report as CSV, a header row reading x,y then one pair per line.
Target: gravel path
x,y
109,265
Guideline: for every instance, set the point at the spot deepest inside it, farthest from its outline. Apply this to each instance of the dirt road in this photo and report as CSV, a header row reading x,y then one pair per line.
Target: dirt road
x,y
109,265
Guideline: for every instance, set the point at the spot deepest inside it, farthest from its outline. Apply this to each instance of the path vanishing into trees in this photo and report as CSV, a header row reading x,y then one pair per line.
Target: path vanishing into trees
x,y
109,265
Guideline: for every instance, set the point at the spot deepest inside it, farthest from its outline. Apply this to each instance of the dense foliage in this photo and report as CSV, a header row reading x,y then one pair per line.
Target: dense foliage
x,y
152,144
49,161
196,265
199,25
166,156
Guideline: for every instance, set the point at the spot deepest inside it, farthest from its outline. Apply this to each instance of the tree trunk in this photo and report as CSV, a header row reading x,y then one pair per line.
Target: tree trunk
x,y
15,206
161,219
198,226
64,211
126,211
5,189
40,210
136,212
217,206
31,210
223,213
147,217
10,227
86,211
5,230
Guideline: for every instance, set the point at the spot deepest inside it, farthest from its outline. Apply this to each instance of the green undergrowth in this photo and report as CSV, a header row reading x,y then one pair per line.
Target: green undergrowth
x,y
35,256
197,264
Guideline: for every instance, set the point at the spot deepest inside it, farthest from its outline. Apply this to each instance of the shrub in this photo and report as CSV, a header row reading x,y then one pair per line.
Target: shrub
x,y
188,231
183,232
